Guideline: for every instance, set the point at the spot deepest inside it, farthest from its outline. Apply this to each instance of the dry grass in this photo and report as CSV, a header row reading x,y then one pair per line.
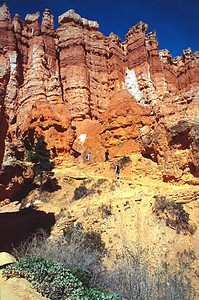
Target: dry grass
x,y
135,275
72,254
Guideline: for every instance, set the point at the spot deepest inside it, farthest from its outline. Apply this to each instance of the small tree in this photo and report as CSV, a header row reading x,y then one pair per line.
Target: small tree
x,y
40,157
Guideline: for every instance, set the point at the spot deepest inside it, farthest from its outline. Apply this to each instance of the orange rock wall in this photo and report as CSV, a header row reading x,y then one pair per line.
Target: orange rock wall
x,y
78,66
52,80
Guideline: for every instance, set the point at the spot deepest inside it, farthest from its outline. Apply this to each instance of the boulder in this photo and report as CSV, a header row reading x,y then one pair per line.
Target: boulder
x,y
6,259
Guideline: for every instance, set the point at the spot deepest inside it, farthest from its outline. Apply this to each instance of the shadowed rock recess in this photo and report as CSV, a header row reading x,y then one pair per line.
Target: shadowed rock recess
x,y
74,81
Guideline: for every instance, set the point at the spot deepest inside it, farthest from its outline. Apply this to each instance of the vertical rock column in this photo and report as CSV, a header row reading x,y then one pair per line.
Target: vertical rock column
x,y
169,71
117,64
97,54
73,69
52,83
138,79
188,70
8,65
4,77
41,109
33,87
8,44
156,70
137,53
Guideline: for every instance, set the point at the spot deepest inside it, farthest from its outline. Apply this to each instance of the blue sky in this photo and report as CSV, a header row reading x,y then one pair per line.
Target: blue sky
x,y
176,21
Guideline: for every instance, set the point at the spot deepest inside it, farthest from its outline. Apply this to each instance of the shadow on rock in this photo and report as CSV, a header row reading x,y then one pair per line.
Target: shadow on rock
x,y
16,227
25,190
51,185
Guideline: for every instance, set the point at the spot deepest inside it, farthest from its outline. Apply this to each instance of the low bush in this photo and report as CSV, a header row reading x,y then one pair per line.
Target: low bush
x,y
55,281
83,275
99,294
51,279
105,210
174,214
136,274
178,218
93,239
80,192
90,240
95,187
161,203
71,249
99,183
124,161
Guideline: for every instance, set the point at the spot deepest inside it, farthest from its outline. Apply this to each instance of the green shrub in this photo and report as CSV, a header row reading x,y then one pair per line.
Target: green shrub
x,y
98,294
80,192
94,240
91,240
55,281
71,249
23,203
135,274
51,279
83,275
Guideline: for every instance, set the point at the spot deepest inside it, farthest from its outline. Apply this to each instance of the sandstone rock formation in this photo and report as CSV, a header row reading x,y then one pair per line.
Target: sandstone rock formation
x,y
173,140
123,121
6,259
4,77
14,171
51,80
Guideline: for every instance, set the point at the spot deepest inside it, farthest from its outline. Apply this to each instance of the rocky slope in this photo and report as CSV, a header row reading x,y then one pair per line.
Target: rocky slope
x,y
122,211
133,97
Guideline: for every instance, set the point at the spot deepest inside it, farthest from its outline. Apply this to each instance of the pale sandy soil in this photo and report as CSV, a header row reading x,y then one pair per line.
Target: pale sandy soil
x,y
17,289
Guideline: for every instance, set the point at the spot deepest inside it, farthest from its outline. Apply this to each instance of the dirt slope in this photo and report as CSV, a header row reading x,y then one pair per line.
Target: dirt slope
x,y
121,210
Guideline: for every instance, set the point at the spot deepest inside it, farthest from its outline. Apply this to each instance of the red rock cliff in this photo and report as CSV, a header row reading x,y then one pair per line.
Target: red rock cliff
x,y
52,80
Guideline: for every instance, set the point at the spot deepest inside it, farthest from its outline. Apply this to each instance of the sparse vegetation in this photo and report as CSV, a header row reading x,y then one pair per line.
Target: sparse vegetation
x,y
174,214
94,240
89,239
40,157
99,182
23,203
105,210
161,203
74,249
135,274
124,161
80,192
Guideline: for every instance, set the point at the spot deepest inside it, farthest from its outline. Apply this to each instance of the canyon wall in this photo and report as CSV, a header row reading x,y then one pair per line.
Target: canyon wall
x,y
52,80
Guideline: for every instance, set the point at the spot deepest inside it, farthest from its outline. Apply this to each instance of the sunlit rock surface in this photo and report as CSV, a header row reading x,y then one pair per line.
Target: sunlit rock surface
x,y
52,80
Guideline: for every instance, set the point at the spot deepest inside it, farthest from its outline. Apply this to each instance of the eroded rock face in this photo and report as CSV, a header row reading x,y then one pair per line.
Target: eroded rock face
x,y
91,66
14,172
51,80
173,140
34,103
4,77
123,121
